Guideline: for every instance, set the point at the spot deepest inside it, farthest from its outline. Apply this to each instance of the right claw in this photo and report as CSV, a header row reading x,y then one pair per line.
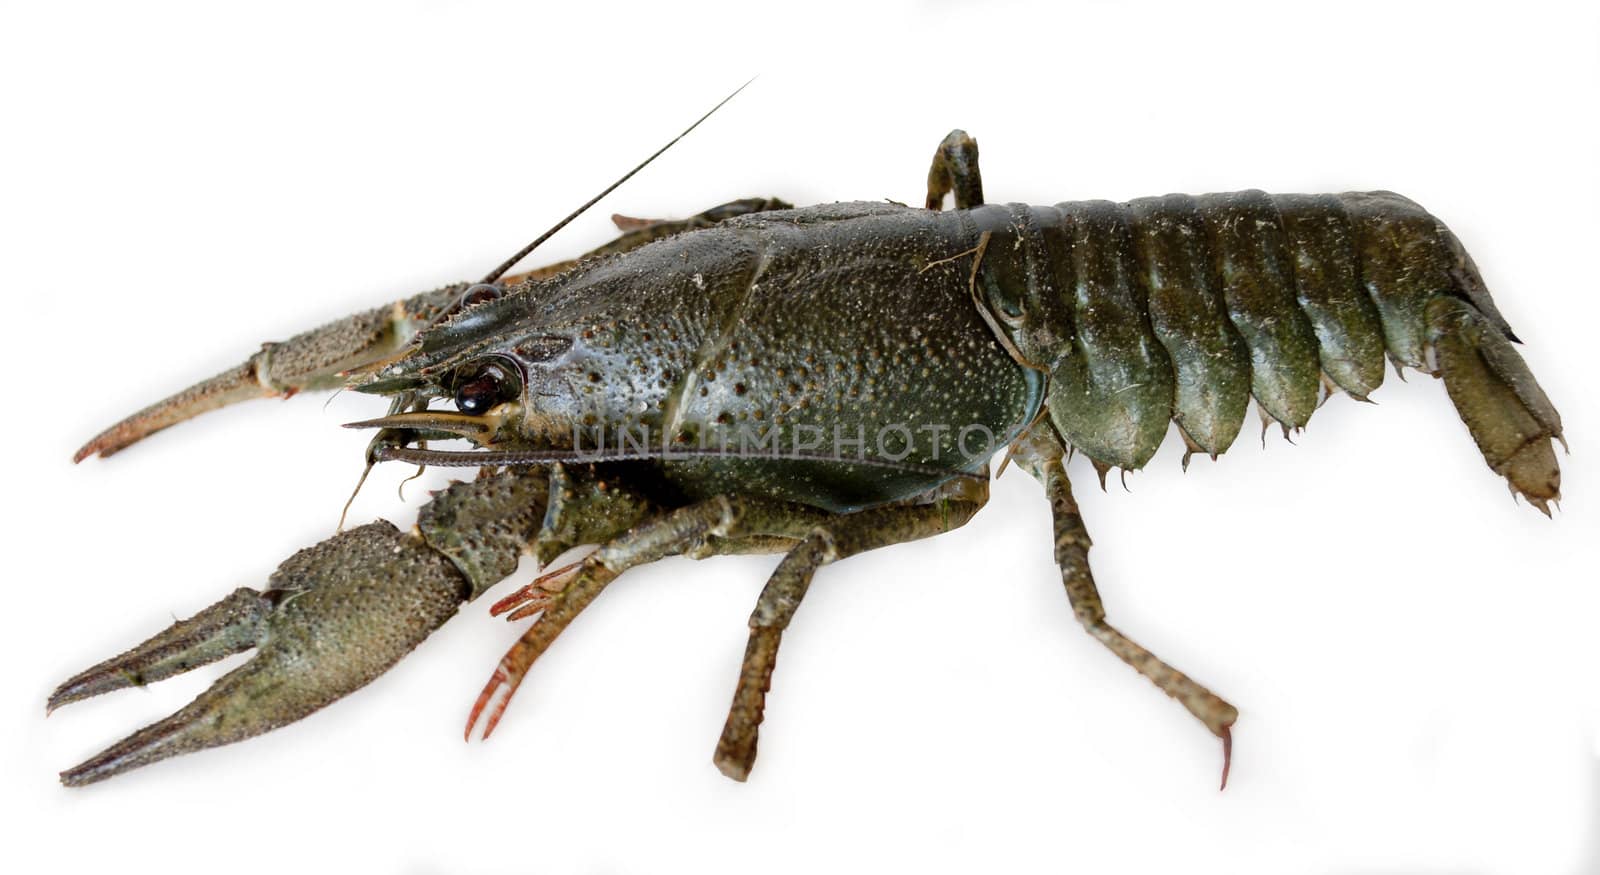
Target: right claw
x,y
309,361
333,618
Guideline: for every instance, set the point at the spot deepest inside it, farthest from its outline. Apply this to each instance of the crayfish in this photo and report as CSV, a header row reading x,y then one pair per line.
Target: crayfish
x,y
816,383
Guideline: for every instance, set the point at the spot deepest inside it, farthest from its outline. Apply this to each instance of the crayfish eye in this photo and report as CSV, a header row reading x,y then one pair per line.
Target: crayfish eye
x,y
485,387
479,293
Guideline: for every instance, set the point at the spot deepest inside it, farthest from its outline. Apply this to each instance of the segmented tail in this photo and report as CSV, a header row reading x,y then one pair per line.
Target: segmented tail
x,y
1182,308
1431,294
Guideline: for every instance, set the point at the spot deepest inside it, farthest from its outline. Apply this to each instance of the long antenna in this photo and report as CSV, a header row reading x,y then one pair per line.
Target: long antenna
x,y
523,252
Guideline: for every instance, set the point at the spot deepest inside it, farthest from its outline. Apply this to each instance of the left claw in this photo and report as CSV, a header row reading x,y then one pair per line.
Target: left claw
x,y
333,618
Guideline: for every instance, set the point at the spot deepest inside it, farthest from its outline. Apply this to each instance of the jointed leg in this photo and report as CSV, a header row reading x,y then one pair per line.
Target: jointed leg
x,y
1072,555
536,595
830,541
685,530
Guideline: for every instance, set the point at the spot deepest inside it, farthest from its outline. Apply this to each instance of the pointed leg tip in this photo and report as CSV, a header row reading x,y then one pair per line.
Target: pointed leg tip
x,y
1227,755
477,710
502,679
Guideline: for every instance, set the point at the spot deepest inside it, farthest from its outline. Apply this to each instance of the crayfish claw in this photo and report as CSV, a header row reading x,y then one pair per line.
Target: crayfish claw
x,y
235,708
536,595
334,617
318,359
229,387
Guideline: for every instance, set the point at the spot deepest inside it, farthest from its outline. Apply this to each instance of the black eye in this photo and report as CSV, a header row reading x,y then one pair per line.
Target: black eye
x,y
479,293
486,386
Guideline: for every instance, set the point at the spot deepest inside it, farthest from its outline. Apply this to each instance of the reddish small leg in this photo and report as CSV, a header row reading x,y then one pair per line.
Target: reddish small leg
x,y
682,531
536,596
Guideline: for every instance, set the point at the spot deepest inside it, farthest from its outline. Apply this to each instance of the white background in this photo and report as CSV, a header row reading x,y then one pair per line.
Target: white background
x,y
1413,654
